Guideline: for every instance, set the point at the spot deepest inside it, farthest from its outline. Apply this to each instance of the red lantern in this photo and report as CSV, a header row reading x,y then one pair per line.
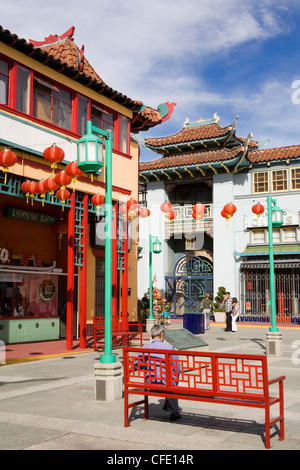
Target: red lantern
x,y
40,189
98,200
230,209
171,215
199,208
258,209
63,194
123,209
51,186
225,214
31,186
54,155
198,216
73,171
132,206
61,228
144,212
7,159
166,207
25,189
62,179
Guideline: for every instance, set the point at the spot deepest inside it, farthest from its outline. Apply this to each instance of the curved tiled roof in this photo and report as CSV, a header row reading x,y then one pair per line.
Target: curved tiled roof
x,y
274,154
206,156
190,134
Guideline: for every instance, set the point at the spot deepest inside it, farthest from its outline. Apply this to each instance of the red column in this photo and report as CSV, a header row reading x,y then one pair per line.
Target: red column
x,y
70,277
125,274
83,274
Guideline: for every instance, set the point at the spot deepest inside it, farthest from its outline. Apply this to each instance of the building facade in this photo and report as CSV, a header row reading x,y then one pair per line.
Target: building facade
x,y
209,164
52,247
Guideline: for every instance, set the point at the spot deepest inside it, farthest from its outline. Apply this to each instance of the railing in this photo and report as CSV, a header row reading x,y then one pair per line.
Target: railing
x,y
185,223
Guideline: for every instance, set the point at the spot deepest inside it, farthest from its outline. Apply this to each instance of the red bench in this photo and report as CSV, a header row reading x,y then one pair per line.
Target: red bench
x,y
120,336
232,379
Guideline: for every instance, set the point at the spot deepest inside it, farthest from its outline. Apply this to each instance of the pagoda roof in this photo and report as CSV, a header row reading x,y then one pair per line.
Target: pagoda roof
x,y
63,55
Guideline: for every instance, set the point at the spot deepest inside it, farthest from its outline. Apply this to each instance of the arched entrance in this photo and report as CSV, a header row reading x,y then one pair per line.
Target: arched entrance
x,y
192,278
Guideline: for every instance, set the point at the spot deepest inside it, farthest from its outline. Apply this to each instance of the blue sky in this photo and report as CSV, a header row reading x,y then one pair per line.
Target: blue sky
x,y
231,57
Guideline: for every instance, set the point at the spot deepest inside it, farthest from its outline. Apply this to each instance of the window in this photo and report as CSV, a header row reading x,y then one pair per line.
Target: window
x,y
289,234
261,182
258,237
295,178
22,89
123,134
4,77
102,118
279,180
52,104
82,114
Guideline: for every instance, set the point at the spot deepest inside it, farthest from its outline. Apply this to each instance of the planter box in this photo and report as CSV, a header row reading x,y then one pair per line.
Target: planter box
x,y
220,317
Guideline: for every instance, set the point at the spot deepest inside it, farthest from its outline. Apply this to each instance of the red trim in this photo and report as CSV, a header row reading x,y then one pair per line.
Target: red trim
x,y
70,277
83,274
125,272
12,86
114,306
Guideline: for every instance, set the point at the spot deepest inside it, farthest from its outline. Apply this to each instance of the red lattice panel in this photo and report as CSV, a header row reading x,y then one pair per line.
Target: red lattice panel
x,y
239,376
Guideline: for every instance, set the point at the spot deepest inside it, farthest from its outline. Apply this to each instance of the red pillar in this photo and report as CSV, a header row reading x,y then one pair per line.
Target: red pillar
x,y
70,277
125,274
83,274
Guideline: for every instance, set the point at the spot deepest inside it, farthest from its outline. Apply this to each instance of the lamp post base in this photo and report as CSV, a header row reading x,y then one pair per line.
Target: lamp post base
x,y
149,323
108,381
274,343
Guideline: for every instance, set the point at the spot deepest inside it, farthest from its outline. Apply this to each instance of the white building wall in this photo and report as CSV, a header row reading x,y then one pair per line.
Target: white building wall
x,y
154,225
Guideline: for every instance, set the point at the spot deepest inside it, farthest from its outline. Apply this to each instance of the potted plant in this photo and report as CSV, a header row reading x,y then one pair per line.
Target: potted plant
x,y
219,312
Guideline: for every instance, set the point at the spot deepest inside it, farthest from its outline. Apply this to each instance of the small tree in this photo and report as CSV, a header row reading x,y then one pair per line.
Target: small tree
x,y
219,299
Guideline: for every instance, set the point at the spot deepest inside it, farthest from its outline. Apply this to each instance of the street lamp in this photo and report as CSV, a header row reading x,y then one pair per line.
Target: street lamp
x,y
275,219
154,247
90,160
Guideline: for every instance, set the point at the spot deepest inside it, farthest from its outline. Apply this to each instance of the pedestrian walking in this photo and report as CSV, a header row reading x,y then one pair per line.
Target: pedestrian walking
x,y
234,314
227,302
206,306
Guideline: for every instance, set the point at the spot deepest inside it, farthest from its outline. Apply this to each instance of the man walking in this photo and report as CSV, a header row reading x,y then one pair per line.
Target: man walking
x,y
227,302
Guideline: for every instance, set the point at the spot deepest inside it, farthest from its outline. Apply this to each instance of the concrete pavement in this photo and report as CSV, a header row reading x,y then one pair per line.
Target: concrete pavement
x,y
49,404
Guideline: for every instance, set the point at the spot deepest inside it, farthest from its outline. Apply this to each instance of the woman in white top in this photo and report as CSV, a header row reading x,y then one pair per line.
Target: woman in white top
x,y
234,313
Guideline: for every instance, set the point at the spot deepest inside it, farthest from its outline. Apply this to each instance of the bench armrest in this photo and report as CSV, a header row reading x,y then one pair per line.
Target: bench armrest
x,y
278,379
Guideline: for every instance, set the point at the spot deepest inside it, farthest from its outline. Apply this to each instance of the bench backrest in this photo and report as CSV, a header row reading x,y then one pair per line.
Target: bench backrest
x,y
193,372
119,323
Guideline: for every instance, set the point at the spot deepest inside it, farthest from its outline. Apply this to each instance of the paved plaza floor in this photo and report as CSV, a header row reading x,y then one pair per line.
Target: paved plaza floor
x,y
49,404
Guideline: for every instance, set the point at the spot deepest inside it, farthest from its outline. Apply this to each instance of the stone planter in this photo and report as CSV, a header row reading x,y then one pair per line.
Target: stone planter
x,y
220,317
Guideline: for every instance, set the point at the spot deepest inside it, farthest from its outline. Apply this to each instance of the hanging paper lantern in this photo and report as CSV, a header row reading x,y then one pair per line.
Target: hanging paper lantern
x,y
51,186
166,207
132,206
62,179
230,209
7,159
61,228
41,190
198,216
225,214
54,155
63,194
31,189
199,208
73,171
258,209
144,212
123,209
25,189
171,215
98,200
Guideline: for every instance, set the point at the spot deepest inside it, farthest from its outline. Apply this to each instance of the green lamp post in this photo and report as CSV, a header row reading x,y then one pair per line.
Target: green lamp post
x,y
90,160
154,247
275,219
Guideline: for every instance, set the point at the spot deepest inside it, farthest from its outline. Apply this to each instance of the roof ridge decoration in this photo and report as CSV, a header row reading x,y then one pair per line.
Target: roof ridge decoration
x,y
202,122
54,38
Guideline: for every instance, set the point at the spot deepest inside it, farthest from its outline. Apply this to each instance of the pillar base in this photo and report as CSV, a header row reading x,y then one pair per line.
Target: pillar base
x,y
149,323
108,381
274,343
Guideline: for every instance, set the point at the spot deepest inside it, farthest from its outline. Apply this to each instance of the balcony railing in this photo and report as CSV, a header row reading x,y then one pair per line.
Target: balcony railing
x,y
185,223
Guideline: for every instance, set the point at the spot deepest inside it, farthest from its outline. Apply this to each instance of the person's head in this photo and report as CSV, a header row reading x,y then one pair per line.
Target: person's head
x,y
207,295
158,331
234,300
227,295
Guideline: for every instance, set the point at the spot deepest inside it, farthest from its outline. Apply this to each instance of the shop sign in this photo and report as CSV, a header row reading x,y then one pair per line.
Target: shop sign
x,y
289,218
22,214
